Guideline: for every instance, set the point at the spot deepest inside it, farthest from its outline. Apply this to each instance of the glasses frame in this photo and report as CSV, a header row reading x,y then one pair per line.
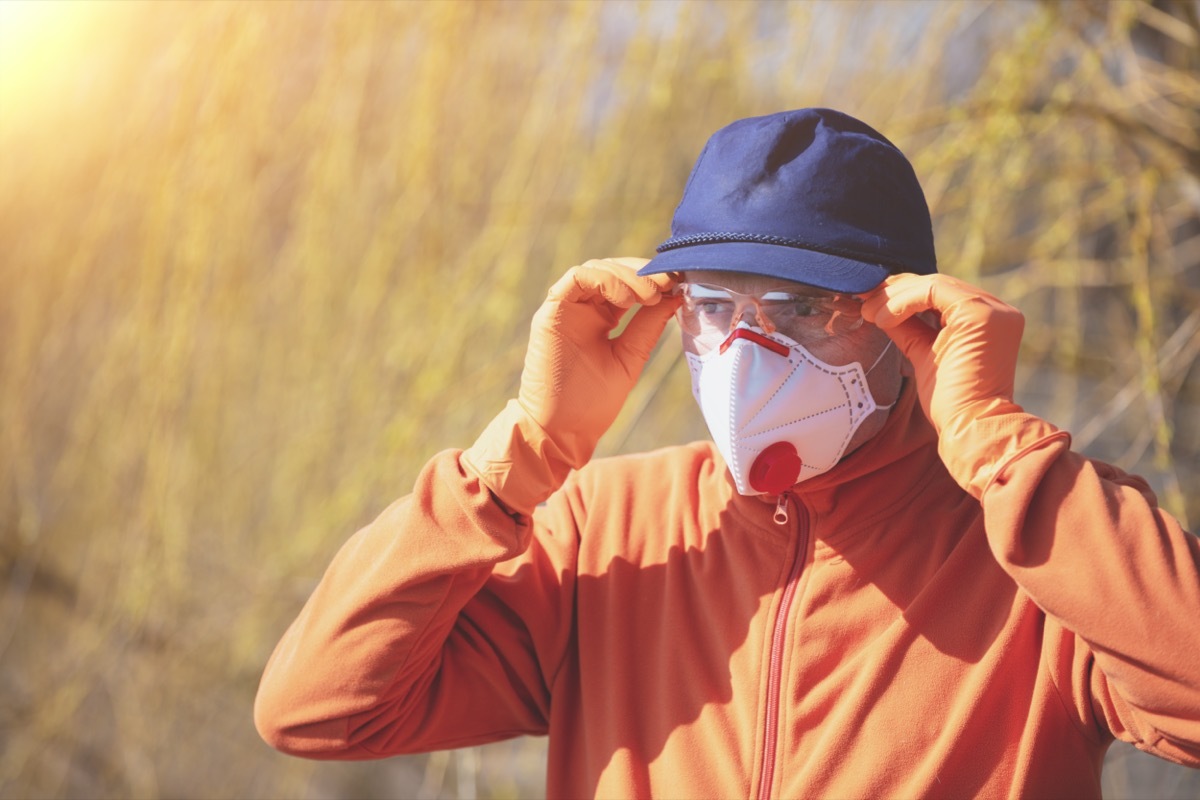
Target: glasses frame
x,y
839,305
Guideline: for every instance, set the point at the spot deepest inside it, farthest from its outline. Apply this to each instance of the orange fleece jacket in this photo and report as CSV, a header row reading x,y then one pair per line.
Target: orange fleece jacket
x,y
894,637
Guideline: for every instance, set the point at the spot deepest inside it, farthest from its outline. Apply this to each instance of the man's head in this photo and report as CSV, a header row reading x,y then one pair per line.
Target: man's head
x,y
784,219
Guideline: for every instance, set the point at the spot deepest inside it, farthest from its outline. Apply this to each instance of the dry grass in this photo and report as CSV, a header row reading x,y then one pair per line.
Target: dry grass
x,y
261,260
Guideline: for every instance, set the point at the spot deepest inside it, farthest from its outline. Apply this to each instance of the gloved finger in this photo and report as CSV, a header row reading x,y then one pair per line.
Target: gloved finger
x,y
882,286
913,337
874,302
606,280
977,309
586,284
665,281
643,331
903,296
959,306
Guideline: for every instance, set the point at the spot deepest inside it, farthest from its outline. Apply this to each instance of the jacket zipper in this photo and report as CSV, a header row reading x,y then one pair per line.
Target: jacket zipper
x,y
778,637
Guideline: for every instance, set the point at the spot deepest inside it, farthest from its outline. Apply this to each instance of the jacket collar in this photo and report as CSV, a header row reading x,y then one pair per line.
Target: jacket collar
x,y
869,483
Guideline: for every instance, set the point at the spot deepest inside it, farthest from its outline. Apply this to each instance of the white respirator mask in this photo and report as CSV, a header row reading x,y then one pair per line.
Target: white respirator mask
x,y
777,413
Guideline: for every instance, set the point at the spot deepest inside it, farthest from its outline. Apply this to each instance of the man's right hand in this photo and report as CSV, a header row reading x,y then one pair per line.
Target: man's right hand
x,y
576,378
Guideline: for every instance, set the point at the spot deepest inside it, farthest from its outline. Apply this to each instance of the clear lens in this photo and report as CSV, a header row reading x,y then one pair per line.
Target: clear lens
x,y
709,313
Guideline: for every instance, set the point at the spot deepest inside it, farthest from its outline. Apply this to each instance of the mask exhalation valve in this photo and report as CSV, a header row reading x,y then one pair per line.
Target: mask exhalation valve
x,y
776,468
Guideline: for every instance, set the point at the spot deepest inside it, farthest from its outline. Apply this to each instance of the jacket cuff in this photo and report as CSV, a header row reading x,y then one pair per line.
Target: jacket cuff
x,y
979,447
516,460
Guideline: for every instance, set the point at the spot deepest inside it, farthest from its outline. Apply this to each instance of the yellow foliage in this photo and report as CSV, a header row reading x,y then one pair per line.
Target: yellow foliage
x,y
261,260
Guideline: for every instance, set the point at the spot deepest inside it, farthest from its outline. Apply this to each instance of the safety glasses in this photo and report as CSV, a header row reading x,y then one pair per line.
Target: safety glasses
x,y
709,313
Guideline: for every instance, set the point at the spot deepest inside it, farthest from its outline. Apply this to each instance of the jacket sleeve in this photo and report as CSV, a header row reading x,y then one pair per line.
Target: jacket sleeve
x,y
1120,580
438,625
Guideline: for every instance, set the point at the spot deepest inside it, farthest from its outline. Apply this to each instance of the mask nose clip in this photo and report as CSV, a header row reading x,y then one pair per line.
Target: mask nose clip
x,y
756,338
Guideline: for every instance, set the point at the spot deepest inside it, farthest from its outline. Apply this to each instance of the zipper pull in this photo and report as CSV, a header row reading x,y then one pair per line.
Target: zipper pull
x,y
781,512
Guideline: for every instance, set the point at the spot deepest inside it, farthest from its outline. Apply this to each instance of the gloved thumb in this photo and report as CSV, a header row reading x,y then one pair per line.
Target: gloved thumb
x,y
914,337
634,345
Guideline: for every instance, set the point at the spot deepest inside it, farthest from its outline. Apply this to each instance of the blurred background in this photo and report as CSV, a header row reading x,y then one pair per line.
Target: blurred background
x,y
259,261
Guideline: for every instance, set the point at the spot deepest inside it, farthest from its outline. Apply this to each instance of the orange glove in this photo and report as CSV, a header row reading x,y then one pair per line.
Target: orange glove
x,y
576,379
965,360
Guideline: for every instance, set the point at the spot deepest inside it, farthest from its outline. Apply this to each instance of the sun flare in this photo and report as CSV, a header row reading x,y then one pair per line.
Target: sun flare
x,y
39,38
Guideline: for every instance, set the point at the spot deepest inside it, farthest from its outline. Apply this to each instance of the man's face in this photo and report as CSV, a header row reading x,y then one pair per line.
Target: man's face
x,y
862,342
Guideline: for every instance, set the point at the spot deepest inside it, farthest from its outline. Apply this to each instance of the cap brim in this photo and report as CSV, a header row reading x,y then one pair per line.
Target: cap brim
x,y
824,271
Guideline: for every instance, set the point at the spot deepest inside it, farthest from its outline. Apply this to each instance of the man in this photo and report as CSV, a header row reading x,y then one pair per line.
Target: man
x,y
882,578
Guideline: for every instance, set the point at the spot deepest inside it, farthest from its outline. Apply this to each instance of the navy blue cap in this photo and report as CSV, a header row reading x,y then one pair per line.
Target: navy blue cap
x,y
812,196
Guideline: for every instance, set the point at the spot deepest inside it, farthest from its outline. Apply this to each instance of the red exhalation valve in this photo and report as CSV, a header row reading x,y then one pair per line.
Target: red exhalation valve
x,y
776,469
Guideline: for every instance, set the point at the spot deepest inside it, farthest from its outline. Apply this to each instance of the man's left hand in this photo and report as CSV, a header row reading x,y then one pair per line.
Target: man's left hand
x,y
962,343
967,363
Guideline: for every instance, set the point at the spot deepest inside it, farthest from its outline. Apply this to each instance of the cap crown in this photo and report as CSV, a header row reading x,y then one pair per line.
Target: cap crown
x,y
807,183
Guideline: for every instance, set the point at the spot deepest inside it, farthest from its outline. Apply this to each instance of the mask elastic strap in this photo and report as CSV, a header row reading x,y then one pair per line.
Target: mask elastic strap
x,y
882,353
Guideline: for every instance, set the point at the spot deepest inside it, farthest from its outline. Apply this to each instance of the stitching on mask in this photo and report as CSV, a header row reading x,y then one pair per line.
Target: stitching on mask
x,y
803,357
829,410
854,424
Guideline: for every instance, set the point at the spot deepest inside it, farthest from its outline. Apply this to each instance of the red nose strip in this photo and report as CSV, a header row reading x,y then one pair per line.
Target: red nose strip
x,y
757,338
